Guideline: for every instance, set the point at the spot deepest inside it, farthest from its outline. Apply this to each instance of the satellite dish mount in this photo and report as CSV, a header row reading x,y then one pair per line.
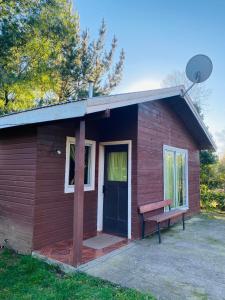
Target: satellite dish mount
x,y
198,69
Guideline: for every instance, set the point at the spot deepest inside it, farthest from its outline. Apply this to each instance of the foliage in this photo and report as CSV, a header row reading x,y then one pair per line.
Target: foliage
x,y
208,157
212,199
23,277
199,93
208,173
212,179
45,58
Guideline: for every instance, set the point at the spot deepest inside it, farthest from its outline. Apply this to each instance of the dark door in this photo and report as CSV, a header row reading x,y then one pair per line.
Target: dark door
x,y
115,214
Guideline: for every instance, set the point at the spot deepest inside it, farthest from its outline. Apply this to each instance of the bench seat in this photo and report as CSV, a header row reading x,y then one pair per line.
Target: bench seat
x,y
159,217
166,215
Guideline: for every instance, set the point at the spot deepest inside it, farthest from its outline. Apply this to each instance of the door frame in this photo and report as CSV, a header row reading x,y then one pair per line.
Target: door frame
x,y
101,164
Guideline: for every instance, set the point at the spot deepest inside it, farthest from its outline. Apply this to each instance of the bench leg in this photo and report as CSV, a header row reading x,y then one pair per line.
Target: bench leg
x,y
159,234
143,228
183,222
169,223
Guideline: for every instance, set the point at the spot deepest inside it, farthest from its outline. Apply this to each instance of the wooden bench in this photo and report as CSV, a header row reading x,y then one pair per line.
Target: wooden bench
x,y
157,219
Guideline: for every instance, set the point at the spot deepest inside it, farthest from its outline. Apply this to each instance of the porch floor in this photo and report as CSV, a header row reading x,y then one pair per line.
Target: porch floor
x,y
62,251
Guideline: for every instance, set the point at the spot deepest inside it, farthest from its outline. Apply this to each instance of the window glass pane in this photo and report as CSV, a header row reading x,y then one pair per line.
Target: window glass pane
x,y
87,169
169,177
180,179
72,164
117,166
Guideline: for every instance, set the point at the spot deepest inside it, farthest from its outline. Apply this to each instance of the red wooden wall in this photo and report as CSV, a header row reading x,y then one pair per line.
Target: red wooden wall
x,y
17,187
159,125
35,211
53,208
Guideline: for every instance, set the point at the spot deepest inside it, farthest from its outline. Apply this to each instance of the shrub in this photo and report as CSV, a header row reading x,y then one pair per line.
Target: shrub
x,y
212,199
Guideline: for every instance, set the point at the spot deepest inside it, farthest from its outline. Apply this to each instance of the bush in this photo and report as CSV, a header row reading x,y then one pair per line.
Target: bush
x,y
212,199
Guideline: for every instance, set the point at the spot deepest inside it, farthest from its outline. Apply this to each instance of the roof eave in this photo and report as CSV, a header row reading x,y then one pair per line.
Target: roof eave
x,y
189,102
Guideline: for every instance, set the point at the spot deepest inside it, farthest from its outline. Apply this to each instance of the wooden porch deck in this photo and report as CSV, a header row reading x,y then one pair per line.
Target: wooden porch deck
x,y
62,251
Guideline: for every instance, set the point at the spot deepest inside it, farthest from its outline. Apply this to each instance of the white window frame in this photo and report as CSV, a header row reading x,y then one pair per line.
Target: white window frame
x,y
87,187
180,150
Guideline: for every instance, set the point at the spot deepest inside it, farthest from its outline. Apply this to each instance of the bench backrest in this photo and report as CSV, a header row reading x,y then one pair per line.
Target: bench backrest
x,y
153,206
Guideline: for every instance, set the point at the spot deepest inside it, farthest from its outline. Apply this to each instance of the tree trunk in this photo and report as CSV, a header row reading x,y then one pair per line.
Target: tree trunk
x,y
6,98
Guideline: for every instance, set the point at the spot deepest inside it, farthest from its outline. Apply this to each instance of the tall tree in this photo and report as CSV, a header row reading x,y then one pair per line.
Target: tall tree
x,y
45,58
84,60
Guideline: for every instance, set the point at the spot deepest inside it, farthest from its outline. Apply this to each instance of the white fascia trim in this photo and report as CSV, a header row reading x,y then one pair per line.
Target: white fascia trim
x,y
109,102
44,114
87,187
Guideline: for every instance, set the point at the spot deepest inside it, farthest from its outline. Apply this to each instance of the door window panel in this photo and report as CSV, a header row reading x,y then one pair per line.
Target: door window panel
x,y
117,166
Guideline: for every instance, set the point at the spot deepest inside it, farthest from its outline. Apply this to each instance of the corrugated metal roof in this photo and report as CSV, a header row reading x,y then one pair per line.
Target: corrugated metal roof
x,y
80,108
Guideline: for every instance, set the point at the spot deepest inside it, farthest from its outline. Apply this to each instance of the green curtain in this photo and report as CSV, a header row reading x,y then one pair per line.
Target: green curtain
x,y
117,166
180,178
169,177
175,177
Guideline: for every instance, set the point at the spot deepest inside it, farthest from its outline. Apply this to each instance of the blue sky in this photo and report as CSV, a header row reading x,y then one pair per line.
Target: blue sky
x,y
159,37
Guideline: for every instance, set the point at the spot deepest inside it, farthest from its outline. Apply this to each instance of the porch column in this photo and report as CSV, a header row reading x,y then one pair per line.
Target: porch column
x,y
78,194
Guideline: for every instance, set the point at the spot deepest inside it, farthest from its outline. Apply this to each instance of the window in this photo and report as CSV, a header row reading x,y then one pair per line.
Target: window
x,y
89,162
176,176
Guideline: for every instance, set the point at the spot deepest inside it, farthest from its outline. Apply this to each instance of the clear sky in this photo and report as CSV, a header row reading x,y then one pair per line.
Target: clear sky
x,y
159,36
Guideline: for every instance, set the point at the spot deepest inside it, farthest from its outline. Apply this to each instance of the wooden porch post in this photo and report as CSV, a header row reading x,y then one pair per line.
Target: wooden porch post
x,y
78,194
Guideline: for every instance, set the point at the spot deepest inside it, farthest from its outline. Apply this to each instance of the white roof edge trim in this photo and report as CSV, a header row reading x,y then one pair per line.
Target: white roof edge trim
x,y
45,114
121,100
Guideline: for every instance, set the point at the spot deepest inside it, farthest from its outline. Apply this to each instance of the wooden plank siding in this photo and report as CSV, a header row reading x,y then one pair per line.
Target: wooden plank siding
x,y
34,209
159,125
54,208
17,187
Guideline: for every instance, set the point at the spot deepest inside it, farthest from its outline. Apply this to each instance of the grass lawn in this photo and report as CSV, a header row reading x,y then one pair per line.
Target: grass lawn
x,y
24,277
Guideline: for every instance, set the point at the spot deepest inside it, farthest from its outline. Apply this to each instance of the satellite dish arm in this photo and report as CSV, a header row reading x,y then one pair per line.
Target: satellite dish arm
x,y
190,87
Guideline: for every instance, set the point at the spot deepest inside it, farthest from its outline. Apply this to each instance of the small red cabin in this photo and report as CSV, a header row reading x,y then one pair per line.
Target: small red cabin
x,y
118,151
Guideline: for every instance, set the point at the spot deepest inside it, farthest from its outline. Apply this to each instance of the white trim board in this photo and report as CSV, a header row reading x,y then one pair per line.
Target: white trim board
x,y
101,182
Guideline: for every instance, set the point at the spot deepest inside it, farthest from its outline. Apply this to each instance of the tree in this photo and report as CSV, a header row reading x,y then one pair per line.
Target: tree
x,y
199,93
84,60
209,169
45,58
28,49
208,157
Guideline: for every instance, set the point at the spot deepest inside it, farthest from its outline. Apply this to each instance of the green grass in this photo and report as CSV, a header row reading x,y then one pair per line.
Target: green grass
x,y
23,277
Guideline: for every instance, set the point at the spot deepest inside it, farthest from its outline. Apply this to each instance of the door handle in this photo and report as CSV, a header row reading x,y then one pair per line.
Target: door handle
x,y
103,189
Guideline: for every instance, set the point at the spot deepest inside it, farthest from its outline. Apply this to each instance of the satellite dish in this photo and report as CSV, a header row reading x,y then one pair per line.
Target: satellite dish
x,y
198,69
